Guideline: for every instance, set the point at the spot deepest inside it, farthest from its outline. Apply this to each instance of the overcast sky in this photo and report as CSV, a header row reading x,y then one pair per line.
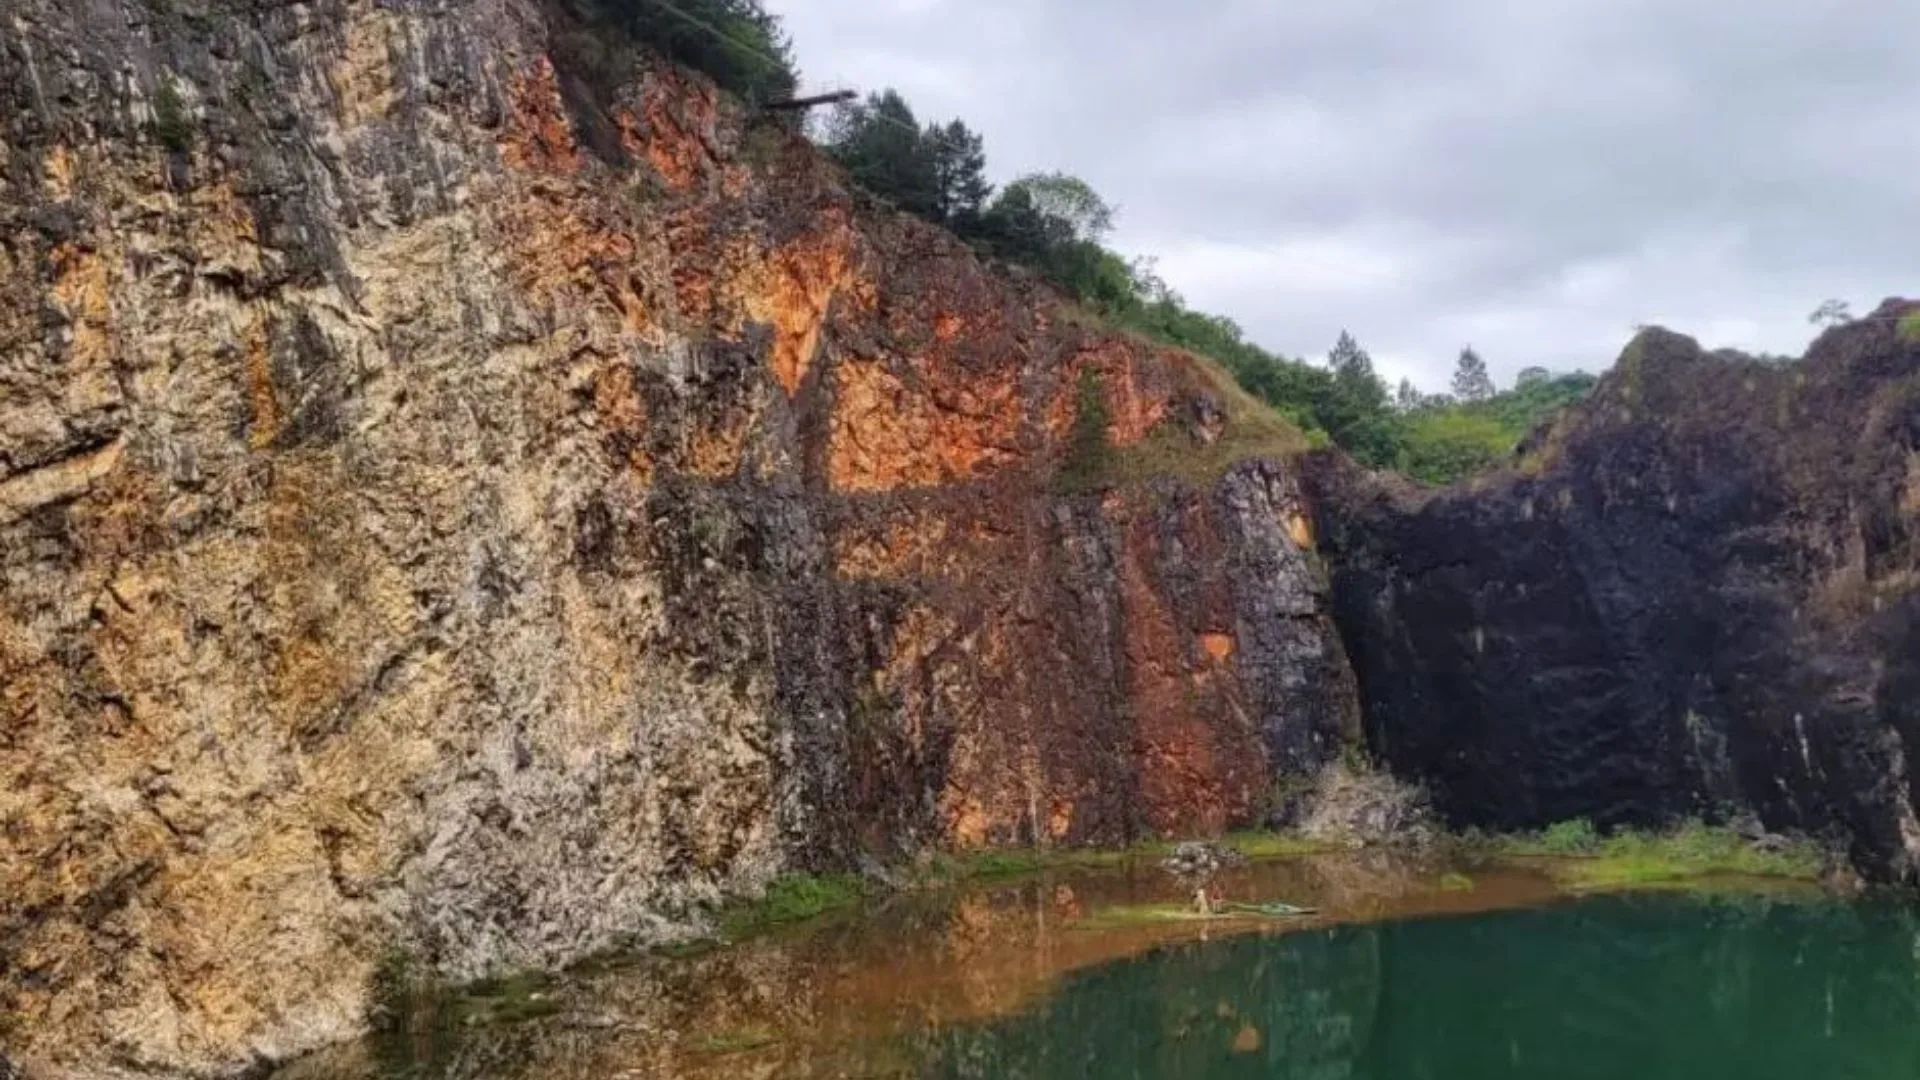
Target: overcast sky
x,y
1533,177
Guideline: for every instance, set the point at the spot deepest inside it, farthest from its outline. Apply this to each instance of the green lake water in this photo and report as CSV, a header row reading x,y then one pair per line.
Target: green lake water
x,y
1411,968
1641,987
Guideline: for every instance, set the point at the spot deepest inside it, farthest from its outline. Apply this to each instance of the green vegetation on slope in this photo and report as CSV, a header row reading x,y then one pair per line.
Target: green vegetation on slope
x,y
737,43
1054,225
1455,436
1089,453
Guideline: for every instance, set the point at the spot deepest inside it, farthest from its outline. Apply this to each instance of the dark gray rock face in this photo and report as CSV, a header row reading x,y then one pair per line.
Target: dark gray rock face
x,y
1694,596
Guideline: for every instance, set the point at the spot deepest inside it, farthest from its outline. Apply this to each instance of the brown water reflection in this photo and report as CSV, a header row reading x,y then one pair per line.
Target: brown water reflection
x,y
834,999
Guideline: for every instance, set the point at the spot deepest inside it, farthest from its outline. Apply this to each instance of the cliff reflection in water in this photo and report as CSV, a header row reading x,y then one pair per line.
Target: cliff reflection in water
x,y
1407,973
1617,987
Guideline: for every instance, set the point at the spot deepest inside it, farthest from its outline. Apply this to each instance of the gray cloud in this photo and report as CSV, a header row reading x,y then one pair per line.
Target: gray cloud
x,y
1531,176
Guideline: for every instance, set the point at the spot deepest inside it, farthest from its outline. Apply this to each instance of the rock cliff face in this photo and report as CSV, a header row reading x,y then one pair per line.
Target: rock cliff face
x,y
1698,595
455,502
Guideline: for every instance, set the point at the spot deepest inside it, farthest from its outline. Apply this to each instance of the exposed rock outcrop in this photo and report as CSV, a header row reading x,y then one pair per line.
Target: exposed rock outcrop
x,y
450,502
1696,595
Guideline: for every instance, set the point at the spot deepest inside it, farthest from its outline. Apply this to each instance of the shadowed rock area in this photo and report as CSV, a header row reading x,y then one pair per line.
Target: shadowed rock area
x,y
1694,596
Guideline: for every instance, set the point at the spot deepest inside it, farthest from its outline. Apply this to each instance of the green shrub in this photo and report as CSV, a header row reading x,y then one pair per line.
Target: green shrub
x,y
1909,328
1443,446
1576,837
1688,852
793,898
172,123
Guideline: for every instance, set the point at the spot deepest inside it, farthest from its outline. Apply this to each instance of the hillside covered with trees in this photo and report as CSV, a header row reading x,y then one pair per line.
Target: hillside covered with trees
x,y
1056,225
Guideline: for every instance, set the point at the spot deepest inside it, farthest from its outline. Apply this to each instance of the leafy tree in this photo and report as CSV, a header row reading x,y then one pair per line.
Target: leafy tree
x,y
736,42
1053,223
1408,396
1067,199
1831,313
1530,376
1470,379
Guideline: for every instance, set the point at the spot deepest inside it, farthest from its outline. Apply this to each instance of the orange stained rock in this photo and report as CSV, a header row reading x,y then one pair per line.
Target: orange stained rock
x,y
538,137
223,223
1300,531
58,174
805,276
562,254
80,291
264,420
718,446
1133,408
679,117
995,782
1218,646
1246,1040
563,259
1060,818
1199,755
967,824
623,417
887,434
689,237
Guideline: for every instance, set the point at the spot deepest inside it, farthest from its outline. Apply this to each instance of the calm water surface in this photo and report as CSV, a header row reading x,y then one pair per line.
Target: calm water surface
x,y
1616,987
1405,975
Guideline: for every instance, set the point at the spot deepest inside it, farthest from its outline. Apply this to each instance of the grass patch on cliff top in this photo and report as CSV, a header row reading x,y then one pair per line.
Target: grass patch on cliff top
x,y
1252,429
1582,858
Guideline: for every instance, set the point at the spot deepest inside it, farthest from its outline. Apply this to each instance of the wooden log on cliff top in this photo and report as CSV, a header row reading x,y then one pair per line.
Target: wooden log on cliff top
x,y
795,104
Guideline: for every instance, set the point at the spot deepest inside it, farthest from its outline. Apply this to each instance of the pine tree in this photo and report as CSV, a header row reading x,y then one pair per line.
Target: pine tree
x,y
1470,379
1348,360
1832,313
883,148
960,174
